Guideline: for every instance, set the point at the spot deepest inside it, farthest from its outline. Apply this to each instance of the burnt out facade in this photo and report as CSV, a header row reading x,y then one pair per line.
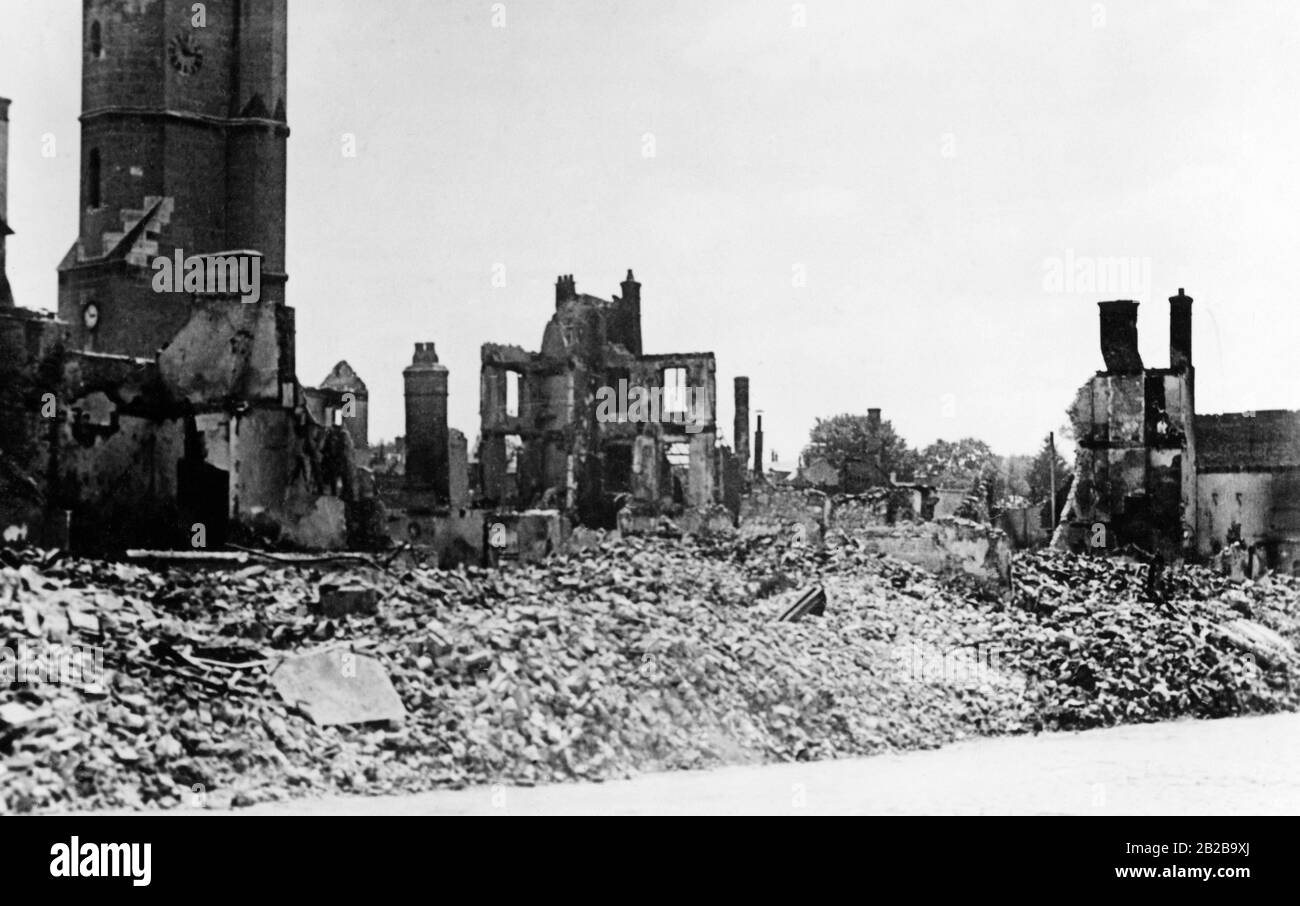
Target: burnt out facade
x,y
1135,471
173,416
591,424
1152,473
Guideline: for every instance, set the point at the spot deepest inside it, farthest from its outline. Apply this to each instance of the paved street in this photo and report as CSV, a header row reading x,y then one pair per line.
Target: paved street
x,y
1239,766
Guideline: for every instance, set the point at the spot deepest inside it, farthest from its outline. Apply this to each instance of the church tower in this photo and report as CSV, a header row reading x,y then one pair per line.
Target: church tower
x,y
183,141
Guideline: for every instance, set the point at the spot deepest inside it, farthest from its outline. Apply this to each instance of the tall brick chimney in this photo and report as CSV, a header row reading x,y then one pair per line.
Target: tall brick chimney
x,y
6,297
1180,330
426,424
1119,336
740,428
758,447
631,313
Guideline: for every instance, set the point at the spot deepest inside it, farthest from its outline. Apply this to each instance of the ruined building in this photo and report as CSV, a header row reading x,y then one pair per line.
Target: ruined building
x,y
1153,473
146,412
562,428
343,400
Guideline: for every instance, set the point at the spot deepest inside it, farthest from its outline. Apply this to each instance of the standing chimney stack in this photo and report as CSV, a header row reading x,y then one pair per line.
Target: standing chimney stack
x,y
758,447
1180,330
6,297
740,427
631,306
427,437
1119,336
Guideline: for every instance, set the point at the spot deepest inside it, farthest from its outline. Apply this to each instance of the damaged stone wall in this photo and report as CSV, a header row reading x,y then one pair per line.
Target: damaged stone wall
x,y
549,443
445,538
1158,476
175,408
139,451
947,546
529,536
1024,525
879,506
343,399
1135,466
1248,487
31,366
770,510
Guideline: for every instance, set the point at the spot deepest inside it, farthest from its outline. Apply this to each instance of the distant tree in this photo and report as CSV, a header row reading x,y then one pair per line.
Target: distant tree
x,y
955,464
1017,472
968,464
1039,477
865,454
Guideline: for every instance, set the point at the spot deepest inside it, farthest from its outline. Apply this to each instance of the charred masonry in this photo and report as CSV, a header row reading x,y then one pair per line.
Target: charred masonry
x,y
134,418
545,444
1154,474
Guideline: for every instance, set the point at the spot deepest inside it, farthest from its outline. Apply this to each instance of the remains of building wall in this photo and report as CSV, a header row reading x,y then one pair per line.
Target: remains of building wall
x,y
141,451
768,510
1024,526
561,445
1248,487
529,536
343,398
949,501
458,469
946,547
447,537
642,519
1135,468
876,507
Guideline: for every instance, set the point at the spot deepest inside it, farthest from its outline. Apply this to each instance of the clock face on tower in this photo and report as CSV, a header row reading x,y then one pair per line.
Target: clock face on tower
x,y
90,315
185,53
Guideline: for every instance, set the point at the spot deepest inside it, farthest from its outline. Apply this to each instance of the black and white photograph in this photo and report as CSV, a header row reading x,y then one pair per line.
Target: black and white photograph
x,y
601,408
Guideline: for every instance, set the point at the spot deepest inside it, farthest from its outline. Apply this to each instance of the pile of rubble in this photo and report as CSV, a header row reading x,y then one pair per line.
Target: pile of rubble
x,y
639,654
1100,651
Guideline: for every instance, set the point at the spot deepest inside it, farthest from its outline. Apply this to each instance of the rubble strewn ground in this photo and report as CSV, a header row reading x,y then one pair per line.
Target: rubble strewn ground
x,y
640,654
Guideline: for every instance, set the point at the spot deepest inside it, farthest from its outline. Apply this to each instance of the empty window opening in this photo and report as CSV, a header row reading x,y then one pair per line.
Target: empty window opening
x,y
513,379
678,460
92,179
674,398
618,468
96,41
678,454
514,446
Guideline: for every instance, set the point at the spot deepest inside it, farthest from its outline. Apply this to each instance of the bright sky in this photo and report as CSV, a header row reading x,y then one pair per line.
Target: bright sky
x,y
920,164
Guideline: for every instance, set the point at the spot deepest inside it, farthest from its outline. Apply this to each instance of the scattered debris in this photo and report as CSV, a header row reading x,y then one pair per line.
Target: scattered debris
x,y
338,687
15,715
812,602
634,654
1263,643
345,600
